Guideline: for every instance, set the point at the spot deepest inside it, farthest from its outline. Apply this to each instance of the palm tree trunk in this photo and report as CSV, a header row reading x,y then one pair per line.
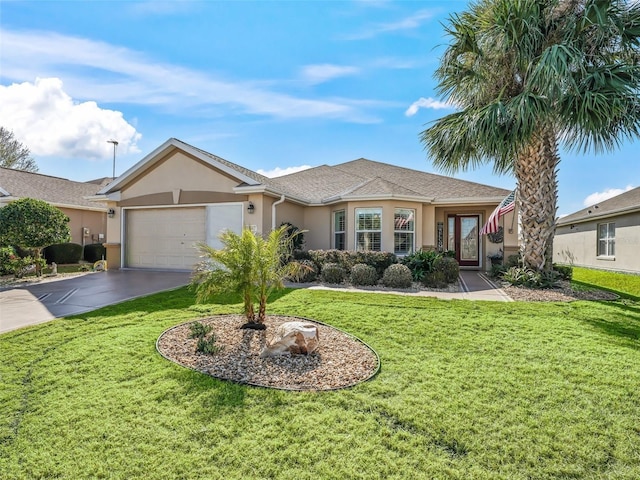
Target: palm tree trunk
x,y
248,307
536,174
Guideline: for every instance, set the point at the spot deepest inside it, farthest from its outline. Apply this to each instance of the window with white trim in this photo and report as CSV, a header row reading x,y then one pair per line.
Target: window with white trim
x,y
606,239
339,230
404,231
369,229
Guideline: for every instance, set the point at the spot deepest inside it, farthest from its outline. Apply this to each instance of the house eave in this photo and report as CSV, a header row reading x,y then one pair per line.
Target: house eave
x,y
363,198
622,211
467,200
153,157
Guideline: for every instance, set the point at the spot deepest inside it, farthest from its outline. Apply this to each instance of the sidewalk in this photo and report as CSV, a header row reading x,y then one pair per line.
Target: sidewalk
x,y
474,285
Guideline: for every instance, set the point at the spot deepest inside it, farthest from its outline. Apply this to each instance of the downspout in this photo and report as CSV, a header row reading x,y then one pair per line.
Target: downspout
x,y
273,211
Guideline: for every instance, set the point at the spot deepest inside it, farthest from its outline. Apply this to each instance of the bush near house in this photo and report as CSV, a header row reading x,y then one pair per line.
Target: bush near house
x,y
363,275
94,252
347,259
61,253
397,276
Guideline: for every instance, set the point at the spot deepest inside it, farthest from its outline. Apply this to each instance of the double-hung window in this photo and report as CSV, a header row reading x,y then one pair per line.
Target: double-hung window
x,y
339,229
369,229
404,231
606,239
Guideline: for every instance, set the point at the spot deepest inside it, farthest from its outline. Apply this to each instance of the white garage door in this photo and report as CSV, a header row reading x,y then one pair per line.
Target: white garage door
x,y
164,238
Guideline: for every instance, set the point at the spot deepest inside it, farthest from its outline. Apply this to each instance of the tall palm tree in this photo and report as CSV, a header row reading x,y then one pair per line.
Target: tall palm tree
x,y
527,75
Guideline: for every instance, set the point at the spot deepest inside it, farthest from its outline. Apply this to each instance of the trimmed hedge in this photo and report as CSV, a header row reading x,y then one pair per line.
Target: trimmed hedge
x,y
94,252
61,253
347,259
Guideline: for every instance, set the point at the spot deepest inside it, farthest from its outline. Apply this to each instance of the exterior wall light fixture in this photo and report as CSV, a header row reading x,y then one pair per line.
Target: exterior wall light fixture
x,y
251,207
111,212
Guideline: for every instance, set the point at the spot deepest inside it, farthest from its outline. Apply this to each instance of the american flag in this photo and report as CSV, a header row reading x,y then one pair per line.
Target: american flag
x,y
507,205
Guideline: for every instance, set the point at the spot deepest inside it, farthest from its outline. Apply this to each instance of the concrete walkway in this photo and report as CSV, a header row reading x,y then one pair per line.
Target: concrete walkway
x,y
473,286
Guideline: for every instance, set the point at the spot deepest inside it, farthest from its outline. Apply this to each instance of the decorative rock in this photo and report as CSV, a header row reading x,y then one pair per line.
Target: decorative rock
x,y
292,338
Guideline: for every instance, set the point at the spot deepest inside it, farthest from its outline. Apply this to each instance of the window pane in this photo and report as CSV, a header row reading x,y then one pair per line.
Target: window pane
x,y
602,230
339,241
602,247
339,221
368,241
404,219
451,233
403,243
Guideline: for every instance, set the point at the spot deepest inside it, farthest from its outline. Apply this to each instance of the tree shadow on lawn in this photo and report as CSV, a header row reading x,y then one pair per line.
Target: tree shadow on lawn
x,y
625,327
179,299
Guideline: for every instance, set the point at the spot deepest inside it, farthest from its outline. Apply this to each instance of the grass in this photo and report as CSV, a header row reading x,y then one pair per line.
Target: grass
x,y
467,390
623,284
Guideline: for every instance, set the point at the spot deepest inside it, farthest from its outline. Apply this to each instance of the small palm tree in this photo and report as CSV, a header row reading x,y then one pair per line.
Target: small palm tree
x,y
230,269
528,75
271,264
247,264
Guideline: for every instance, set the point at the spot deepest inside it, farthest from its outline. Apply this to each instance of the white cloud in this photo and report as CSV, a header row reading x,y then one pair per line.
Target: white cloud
x,y
279,172
48,121
108,73
315,74
598,197
411,22
426,103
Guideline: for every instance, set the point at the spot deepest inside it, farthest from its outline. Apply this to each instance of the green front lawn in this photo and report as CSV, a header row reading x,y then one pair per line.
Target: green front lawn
x,y
468,390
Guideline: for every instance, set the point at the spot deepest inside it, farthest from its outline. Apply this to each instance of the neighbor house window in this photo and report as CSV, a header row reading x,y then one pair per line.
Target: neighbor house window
x,y
368,229
339,227
607,239
403,231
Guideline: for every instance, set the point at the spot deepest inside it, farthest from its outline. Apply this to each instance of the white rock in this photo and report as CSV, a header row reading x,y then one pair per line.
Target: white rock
x,y
293,338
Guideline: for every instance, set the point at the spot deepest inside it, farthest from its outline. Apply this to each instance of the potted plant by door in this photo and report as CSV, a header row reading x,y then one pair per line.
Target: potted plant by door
x,y
496,257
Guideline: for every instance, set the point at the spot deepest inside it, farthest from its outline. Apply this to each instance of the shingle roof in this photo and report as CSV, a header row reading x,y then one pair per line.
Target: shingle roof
x,y
326,184
625,202
54,190
362,177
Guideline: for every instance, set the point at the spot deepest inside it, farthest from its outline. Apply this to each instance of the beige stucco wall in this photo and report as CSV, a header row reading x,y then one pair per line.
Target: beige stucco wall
x,y
95,221
579,245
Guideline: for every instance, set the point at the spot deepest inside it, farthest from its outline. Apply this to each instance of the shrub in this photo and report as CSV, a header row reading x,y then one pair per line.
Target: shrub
x,y
434,280
397,276
207,345
421,263
449,268
199,330
497,271
514,260
324,257
94,252
333,273
347,259
362,274
63,253
523,276
307,271
6,255
565,272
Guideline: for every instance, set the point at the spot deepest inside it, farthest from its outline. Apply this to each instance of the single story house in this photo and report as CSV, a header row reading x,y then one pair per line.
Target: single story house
x,y
179,195
604,236
87,219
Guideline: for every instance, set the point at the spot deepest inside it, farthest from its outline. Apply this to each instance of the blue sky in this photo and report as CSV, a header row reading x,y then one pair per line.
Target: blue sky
x,y
268,85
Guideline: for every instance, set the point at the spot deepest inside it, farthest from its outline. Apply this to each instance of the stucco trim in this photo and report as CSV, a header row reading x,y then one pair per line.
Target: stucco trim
x,y
159,154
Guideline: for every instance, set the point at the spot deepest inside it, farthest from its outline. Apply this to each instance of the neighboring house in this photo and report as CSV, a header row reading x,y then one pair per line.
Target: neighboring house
x,y
604,236
87,219
179,195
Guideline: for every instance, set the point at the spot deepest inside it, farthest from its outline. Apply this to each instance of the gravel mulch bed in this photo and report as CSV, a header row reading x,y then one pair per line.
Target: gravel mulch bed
x,y
340,361
563,293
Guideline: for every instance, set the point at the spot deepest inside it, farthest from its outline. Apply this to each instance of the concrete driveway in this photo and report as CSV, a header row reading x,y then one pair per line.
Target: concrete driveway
x,y
38,303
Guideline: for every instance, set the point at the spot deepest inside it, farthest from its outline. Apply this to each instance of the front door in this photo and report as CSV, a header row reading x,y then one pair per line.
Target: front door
x,y
462,237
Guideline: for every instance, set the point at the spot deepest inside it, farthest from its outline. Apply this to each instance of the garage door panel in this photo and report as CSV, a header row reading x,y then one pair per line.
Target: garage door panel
x,y
164,238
